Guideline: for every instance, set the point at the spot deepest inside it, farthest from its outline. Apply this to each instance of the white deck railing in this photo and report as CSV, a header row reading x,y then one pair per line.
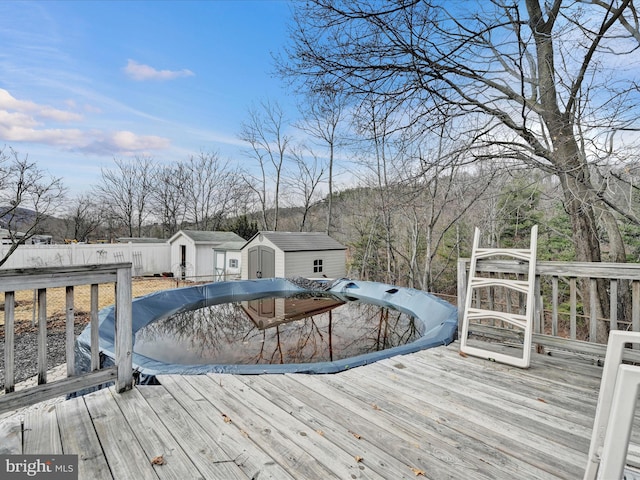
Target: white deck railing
x,y
567,284
41,279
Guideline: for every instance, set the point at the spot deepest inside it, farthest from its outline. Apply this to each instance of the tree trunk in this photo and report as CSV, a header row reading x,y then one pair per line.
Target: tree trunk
x,y
577,194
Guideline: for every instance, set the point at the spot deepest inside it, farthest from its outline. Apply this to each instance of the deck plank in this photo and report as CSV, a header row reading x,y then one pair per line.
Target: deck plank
x,y
263,431
426,439
41,432
155,439
79,437
251,459
392,450
206,454
539,379
492,425
343,463
312,411
124,454
559,422
411,404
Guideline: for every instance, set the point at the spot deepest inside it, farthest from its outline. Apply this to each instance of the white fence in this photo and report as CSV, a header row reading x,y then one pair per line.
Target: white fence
x,y
146,258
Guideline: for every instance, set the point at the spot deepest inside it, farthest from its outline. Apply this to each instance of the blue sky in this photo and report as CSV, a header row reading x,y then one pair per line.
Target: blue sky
x,y
84,82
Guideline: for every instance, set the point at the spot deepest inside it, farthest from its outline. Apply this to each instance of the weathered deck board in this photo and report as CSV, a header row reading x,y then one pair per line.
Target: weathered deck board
x,y
155,439
432,414
251,459
341,463
412,444
469,417
444,431
117,438
267,434
204,452
345,430
79,437
41,432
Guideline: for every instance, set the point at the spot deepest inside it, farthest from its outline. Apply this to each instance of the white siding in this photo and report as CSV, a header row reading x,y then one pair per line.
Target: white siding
x,y
233,273
301,264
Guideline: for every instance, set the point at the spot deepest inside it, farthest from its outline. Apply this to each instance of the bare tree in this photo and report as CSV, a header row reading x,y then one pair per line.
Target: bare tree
x,y
323,114
168,197
384,157
535,79
264,132
28,196
83,218
212,190
304,180
125,193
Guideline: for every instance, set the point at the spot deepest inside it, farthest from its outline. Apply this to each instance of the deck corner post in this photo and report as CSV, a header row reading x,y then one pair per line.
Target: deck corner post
x,y
124,329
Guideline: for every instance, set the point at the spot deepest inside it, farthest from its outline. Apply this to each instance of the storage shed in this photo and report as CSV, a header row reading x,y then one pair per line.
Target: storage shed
x,y
293,254
206,256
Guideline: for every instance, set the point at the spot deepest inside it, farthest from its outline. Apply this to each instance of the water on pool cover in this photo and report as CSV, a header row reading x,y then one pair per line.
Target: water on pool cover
x,y
305,328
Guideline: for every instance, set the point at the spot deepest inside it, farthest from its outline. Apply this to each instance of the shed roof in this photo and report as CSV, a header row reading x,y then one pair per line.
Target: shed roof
x,y
235,245
301,241
140,240
209,237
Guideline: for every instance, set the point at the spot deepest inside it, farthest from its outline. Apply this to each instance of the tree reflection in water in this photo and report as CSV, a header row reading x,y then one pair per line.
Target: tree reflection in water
x,y
299,329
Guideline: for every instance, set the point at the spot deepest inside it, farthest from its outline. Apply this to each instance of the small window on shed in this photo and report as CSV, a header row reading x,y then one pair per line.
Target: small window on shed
x,y
317,266
233,263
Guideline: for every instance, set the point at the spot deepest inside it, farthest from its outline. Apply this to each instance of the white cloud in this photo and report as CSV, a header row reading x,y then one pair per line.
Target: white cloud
x,y
140,72
129,141
122,143
28,122
8,102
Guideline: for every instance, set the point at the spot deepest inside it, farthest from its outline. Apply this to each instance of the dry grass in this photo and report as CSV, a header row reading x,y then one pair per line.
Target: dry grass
x,y
25,307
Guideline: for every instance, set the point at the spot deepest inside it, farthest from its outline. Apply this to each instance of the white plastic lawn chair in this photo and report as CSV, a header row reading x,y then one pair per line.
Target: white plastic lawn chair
x,y
524,321
614,414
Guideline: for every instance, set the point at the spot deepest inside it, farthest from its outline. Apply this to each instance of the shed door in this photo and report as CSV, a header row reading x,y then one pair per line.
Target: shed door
x,y
219,260
262,262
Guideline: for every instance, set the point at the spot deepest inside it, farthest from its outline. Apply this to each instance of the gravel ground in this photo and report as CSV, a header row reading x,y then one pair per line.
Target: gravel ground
x,y
26,348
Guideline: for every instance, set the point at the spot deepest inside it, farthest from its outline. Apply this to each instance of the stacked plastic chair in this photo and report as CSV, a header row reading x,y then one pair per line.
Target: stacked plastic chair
x,y
518,320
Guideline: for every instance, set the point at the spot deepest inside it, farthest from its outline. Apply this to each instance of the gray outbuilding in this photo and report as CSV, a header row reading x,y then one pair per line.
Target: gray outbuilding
x,y
293,254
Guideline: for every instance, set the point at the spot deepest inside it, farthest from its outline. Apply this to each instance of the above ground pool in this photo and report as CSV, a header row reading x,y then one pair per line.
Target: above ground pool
x,y
274,326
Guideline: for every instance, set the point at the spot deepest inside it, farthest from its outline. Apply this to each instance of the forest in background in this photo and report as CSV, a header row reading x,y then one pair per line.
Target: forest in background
x,y
409,232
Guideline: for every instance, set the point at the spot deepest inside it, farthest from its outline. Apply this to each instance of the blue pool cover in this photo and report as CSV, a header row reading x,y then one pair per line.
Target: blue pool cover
x,y
438,318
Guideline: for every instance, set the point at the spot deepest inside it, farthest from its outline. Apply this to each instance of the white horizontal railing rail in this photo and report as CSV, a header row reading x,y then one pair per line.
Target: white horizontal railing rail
x,y
40,280
566,315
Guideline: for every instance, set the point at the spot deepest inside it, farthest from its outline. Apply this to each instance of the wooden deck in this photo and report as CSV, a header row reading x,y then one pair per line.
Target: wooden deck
x,y
433,414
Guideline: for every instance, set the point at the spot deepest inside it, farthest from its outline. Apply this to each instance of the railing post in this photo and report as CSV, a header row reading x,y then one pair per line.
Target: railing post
x,y
42,336
9,342
462,288
124,330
